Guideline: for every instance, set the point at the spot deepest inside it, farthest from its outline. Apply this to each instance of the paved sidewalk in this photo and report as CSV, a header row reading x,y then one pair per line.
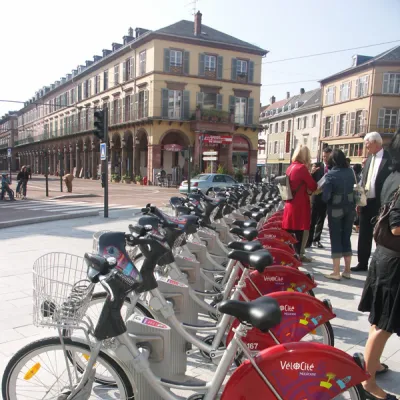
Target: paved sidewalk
x,y
21,246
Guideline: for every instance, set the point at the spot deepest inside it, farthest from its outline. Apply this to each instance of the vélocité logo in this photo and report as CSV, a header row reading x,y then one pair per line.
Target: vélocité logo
x,y
273,279
297,366
287,308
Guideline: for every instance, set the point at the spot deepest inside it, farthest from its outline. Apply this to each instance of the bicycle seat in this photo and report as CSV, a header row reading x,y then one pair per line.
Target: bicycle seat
x,y
263,313
264,211
246,224
246,246
248,233
259,259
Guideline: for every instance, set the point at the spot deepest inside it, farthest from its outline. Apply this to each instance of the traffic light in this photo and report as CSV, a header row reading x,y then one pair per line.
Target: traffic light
x,y
99,124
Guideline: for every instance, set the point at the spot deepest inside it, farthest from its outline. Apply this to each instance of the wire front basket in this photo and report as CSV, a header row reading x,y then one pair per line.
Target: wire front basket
x,y
61,290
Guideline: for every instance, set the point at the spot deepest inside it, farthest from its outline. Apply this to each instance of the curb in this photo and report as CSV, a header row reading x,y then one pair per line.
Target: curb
x,y
49,218
74,196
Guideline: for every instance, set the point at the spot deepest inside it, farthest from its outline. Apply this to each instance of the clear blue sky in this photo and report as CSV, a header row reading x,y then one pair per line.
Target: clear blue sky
x,y
43,40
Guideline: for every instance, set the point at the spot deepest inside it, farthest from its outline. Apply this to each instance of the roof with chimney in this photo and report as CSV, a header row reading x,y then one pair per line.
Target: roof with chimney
x,y
360,62
185,29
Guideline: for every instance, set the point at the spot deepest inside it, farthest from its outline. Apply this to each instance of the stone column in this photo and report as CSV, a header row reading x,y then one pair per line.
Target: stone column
x,y
42,164
71,160
153,160
54,162
78,161
94,162
196,151
124,156
84,161
230,154
113,157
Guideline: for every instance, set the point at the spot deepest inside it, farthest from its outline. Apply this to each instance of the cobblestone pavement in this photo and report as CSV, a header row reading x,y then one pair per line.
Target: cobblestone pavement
x,y
21,246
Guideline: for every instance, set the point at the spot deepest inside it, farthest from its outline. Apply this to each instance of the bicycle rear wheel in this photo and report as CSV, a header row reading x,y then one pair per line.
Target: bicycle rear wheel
x,y
39,370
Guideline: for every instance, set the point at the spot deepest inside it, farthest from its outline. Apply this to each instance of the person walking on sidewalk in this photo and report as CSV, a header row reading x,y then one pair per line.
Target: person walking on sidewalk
x,y
23,178
381,294
377,169
301,183
338,195
68,182
318,213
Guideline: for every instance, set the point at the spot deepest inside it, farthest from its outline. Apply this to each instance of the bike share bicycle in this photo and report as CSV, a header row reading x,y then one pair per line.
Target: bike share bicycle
x,y
291,371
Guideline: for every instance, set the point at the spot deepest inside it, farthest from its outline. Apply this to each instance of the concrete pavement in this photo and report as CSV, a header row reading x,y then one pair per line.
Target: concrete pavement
x,y
21,246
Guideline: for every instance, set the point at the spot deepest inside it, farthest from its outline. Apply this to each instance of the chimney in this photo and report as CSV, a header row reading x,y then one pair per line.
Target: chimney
x,y
272,100
68,76
288,95
97,58
302,91
130,32
106,52
116,46
197,23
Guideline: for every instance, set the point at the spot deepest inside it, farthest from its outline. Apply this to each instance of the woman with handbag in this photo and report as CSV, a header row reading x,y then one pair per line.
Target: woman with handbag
x,y
381,294
297,213
338,194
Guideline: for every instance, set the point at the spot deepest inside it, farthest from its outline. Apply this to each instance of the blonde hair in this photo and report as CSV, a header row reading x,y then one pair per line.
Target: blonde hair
x,y
302,155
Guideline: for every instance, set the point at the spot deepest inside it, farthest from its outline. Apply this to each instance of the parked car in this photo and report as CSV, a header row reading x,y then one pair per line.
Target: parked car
x,y
205,182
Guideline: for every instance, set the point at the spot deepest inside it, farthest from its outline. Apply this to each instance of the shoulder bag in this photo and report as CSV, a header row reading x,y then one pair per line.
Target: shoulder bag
x,y
382,232
285,191
360,198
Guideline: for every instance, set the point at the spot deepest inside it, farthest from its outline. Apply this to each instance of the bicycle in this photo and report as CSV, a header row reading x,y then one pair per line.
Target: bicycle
x,y
292,371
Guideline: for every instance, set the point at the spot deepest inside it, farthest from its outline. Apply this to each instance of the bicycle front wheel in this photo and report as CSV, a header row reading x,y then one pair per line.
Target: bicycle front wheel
x,y
39,370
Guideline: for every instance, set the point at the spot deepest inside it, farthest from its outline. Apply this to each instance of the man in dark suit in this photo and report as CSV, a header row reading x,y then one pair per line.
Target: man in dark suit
x,y
318,213
377,169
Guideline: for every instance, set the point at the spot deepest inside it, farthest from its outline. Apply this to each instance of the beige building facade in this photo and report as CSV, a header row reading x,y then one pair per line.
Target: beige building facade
x,y
8,135
185,85
361,99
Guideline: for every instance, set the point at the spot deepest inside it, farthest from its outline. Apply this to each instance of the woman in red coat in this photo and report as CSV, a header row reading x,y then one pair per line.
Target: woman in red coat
x,y
297,213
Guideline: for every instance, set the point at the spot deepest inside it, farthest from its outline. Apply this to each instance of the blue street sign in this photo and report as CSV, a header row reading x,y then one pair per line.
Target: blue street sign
x,y
103,151
9,153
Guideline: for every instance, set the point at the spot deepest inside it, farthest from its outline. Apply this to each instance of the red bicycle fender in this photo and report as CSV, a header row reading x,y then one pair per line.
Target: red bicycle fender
x,y
282,257
297,371
278,234
270,243
277,279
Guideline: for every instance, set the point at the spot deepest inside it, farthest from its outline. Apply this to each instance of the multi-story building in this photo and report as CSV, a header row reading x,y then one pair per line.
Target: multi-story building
x,y
291,121
361,99
8,135
262,143
183,85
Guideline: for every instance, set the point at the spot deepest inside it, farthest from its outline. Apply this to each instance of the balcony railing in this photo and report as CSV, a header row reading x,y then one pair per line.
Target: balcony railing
x,y
213,115
4,146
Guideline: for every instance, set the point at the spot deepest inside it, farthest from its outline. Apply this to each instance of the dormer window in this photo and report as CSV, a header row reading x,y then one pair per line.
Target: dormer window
x,y
296,105
289,106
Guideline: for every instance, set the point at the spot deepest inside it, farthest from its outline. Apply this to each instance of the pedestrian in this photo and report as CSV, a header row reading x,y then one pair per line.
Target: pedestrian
x,y
24,177
68,182
357,168
348,161
19,180
5,188
377,169
258,178
381,294
338,195
302,185
318,213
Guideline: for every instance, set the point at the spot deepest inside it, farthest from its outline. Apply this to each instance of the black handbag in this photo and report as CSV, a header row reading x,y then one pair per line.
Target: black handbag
x,y
382,233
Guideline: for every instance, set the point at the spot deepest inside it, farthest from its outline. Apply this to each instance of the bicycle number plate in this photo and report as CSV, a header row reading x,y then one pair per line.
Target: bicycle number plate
x,y
150,322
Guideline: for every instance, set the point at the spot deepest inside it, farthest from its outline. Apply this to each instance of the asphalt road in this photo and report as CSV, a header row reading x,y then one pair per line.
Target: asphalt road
x,y
121,196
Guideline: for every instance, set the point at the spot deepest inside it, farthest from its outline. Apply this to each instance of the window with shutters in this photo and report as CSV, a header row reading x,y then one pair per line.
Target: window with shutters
x,y
328,126
342,125
89,87
298,123
362,86
359,122
275,147
345,91
175,58
116,75
142,62
72,96
241,68
388,120
87,119
330,95
305,121
210,63
314,120
97,84
210,101
283,126
143,104
276,127
105,80
79,93
314,144
174,104
289,125
391,83
305,141
127,108
86,89
127,70
240,110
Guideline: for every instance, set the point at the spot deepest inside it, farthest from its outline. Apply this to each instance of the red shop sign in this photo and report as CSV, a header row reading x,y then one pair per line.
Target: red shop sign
x,y
173,147
240,143
217,139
